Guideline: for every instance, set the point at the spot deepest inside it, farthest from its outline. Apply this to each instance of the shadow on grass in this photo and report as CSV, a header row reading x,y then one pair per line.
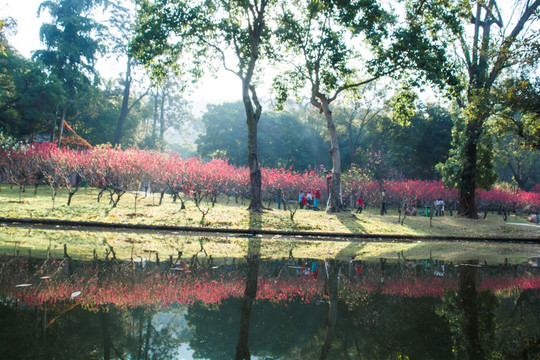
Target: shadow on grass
x,y
255,221
353,222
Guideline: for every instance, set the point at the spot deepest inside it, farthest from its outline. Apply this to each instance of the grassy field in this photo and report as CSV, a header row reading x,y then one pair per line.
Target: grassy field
x,y
227,214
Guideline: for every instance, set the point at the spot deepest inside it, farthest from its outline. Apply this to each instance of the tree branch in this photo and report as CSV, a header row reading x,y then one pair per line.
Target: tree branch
x,y
139,99
350,86
509,41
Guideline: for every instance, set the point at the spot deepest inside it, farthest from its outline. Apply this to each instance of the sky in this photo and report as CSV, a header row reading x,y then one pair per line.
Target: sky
x,y
226,87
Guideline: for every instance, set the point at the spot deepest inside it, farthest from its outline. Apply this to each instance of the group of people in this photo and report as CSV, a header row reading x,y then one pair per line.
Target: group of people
x,y
309,200
308,267
439,207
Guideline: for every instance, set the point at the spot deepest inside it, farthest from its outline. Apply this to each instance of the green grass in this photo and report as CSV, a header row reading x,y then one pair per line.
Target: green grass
x,y
230,215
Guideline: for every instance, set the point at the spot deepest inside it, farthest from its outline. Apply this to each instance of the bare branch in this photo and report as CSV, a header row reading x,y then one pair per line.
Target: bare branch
x,y
504,50
139,99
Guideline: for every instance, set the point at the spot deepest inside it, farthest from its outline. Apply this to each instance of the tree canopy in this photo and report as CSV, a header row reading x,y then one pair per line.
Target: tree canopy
x,y
493,40
29,98
324,47
210,29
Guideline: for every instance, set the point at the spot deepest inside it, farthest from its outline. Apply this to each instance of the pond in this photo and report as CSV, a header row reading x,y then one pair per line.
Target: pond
x,y
200,307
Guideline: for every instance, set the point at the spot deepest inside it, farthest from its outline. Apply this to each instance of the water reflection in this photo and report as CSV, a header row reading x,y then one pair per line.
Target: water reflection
x,y
204,308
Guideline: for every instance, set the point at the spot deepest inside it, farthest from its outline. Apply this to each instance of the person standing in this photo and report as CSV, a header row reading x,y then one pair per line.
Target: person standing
x,y
309,197
383,202
301,199
441,202
316,198
359,205
437,205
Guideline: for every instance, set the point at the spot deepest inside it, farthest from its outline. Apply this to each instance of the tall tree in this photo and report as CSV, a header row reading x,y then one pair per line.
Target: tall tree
x,y
71,48
493,38
122,21
29,98
94,113
171,109
216,29
317,37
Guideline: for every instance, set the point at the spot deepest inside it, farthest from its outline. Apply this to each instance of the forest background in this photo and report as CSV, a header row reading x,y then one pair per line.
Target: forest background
x,y
128,107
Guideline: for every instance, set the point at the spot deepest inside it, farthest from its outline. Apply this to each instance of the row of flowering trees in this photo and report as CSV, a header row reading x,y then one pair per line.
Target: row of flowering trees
x,y
115,171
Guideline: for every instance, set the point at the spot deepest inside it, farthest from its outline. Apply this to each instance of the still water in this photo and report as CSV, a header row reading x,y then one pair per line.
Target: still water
x,y
199,307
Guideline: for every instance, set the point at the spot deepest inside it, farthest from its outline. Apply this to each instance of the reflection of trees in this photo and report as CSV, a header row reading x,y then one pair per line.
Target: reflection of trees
x,y
252,276
277,330
384,327
484,326
384,319
468,298
242,349
332,282
82,334
142,318
518,326
75,335
381,328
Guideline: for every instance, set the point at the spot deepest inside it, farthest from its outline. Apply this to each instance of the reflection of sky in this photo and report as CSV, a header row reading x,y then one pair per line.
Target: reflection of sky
x,y
181,332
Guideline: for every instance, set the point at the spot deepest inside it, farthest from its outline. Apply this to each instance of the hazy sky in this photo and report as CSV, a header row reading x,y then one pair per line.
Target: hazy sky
x,y
226,87
25,13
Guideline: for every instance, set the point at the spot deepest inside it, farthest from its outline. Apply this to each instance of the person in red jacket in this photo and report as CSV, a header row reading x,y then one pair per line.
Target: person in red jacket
x,y
359,205
316,198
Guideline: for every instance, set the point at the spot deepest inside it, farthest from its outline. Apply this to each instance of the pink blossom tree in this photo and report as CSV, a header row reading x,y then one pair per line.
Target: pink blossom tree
x,y
19,166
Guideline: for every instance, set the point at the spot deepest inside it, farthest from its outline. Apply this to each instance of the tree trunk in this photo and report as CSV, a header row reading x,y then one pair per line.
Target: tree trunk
x,y
107,343
125,105
351,142
154,124
332,287
55,119
162,115
70,195
242,349
516,173
251,102
467,188
255,177
62,121
335,185
469,301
